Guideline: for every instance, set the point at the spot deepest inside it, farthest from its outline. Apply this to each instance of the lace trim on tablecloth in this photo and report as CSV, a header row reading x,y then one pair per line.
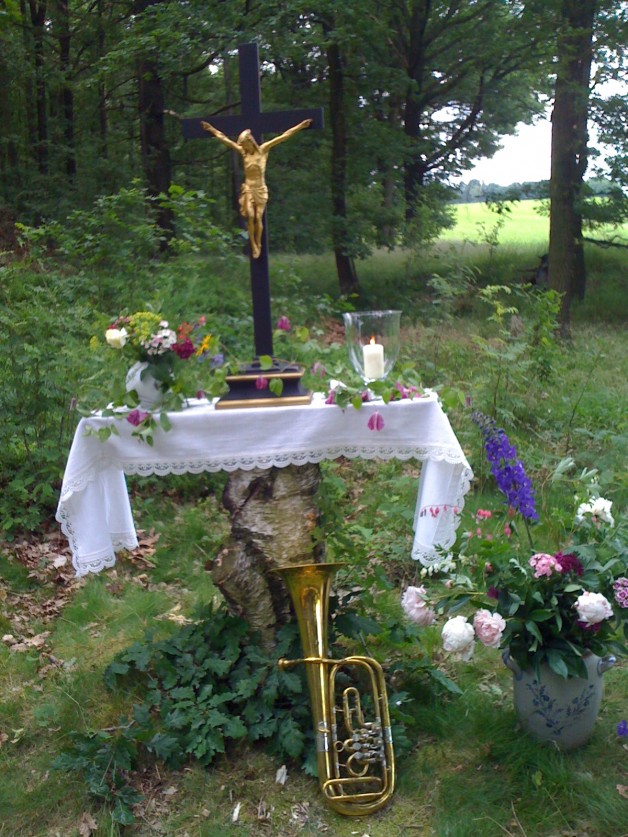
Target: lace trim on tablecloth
x,y
97,561
260,460
282,460
449,519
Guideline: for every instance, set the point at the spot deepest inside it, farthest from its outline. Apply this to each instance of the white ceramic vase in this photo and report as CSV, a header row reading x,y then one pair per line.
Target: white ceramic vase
x,y
555,709
140,380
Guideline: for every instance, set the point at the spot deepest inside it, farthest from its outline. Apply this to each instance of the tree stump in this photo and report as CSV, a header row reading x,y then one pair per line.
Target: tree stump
x,y
273,517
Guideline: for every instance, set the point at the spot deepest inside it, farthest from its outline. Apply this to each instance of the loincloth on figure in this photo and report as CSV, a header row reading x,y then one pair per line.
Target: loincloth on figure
x,y
252,196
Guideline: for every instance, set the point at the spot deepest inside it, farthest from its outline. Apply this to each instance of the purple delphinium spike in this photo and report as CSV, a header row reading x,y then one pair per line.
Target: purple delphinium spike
x,y
508,471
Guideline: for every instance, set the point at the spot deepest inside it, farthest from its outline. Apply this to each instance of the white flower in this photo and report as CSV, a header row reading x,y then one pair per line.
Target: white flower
x,y
593,608
458,636
116,337
599,509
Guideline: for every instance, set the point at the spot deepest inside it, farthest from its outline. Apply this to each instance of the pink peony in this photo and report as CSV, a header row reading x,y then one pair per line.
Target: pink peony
x,y
415,606
489,628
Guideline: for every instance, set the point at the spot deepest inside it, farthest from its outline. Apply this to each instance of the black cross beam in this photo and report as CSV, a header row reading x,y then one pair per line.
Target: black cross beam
x,y
258,123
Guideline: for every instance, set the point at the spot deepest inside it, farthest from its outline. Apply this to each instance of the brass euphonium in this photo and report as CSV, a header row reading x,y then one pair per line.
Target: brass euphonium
x,y
356,762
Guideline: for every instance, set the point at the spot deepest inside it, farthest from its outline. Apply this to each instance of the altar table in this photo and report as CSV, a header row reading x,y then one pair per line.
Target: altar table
x,y
95,512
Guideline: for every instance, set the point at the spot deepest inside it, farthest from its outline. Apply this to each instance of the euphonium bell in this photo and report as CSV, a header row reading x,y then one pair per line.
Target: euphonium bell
x,y
356,762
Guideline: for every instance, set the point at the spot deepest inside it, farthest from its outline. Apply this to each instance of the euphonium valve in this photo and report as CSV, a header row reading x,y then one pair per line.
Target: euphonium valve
x,y
355,757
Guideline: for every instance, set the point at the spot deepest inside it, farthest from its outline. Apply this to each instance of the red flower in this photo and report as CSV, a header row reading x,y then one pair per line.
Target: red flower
x,y
184,349
261,382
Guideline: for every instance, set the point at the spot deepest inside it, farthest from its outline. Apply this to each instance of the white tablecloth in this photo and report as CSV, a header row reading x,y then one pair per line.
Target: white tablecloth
x,y
94,509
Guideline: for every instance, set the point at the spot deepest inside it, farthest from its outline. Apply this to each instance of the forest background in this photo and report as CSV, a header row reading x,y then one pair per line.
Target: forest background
x,y
105,209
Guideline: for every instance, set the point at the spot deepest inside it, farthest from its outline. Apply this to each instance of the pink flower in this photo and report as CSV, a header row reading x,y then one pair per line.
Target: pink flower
x,y
376,422
331,397
283,323
415,607
319,369
544,564
261,382
507,530
489,628
483,514
136,417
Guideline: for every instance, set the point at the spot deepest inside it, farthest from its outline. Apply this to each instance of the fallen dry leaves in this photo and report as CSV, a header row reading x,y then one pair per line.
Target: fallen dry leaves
x,y
48,561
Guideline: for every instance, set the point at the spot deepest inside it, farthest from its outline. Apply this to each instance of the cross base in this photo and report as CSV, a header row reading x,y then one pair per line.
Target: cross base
x,y
243,391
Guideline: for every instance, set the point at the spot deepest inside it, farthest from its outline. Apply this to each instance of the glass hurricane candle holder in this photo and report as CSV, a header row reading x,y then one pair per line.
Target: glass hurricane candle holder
x,y
373,342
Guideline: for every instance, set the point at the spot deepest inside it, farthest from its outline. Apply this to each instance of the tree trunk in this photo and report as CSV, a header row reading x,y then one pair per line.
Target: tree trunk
x,y
103,122
67,94
274,515
569,153
341,236
38,19
154,148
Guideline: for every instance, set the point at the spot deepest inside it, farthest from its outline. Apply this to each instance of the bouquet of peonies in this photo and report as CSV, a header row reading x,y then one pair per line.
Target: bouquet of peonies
x,y
543,607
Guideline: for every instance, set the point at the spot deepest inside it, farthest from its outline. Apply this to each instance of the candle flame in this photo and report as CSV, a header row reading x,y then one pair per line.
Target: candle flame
x,y
372,341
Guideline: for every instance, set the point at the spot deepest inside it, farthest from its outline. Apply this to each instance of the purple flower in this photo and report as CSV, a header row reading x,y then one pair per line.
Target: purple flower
x,y
261,382
622,729
283,323
136,417
217,360
331,397
319,369
376,422
508,471
620,588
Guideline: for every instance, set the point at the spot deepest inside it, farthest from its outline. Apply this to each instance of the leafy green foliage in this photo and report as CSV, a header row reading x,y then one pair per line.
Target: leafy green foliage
x,y
202,689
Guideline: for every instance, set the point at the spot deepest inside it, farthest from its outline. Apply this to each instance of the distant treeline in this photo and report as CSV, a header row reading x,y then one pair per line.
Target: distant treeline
x,y
475,191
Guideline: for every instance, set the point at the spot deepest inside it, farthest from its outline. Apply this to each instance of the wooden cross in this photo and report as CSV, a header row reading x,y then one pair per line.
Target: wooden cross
x,y
258,123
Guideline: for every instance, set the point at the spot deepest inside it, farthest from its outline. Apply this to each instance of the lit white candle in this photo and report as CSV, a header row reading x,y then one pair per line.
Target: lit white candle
x,y
373,360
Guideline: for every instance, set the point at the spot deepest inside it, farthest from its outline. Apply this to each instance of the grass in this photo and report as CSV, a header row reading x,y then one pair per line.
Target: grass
x,y
469,771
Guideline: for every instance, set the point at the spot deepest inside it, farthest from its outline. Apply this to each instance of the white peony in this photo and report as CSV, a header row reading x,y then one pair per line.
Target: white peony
x,y
458,636
116,337
599,509
593,608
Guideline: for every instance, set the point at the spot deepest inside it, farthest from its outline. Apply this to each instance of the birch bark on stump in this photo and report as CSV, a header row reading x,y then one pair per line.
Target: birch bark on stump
x,y
273,517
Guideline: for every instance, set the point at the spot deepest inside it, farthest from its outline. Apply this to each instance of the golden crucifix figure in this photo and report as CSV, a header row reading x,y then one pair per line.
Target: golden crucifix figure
x,y
254,192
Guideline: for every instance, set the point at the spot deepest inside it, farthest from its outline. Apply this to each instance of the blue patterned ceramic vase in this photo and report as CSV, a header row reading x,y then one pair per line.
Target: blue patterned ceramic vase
x,y
558,710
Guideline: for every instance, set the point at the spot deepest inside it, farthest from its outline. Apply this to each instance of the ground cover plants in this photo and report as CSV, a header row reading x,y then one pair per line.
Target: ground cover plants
x,y
96,689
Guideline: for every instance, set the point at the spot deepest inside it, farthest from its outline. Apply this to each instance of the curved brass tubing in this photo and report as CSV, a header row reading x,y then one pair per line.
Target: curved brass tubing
x,y
355,757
